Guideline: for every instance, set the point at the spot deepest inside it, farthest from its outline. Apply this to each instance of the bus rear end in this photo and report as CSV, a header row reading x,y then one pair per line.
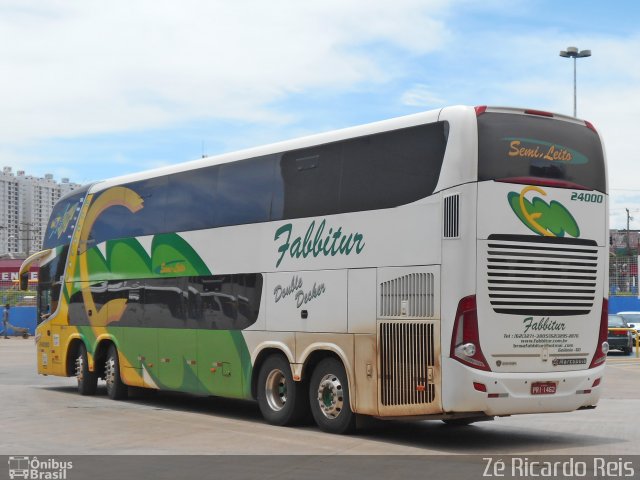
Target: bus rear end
x,y
533,337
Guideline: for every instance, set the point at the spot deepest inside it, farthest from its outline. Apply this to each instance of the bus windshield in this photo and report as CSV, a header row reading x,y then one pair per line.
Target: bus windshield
x,y
63,220
514,146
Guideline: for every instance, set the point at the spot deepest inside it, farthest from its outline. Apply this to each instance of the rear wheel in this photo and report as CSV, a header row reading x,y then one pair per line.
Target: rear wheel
x,y
87,380
282,401
116,389
329,397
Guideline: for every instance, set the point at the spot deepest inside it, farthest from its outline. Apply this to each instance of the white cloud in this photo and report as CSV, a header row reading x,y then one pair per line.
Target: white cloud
x,y
420,95
75,68
72,68
526,71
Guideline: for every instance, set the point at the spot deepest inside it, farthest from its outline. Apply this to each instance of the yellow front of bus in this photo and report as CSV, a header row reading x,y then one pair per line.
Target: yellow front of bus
x,y
533,337
53,332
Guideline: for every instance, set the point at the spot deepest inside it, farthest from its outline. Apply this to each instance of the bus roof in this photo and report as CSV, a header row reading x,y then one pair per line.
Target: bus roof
x,y
315,139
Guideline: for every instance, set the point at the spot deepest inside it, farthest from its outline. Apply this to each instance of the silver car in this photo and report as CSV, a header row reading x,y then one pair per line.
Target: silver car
x,y
633,319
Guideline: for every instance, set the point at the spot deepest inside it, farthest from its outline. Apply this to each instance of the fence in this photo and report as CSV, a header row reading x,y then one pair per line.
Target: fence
x,y
21,318
623,284
10,293
623,276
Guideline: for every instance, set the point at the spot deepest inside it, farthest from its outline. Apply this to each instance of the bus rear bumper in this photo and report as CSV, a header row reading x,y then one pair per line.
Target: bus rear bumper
x,y
520,393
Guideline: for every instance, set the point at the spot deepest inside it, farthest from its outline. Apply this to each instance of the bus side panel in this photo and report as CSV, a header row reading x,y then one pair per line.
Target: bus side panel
x,y
307,301
365,374
140,345
224,364
210,362
177,352
458,279
362,301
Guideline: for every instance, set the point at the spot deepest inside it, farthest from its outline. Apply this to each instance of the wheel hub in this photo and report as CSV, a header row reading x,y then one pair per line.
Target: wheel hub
x,y
330,396
79,368
109,372
276,390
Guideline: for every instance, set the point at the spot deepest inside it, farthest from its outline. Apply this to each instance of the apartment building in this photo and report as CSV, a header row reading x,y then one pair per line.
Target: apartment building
x,y
25,205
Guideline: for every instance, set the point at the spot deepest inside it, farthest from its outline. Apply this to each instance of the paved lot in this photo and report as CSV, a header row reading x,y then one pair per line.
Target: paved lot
x,y
44,415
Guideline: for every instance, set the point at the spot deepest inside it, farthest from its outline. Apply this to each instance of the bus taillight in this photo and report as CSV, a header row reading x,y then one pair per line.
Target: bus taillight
x,y
540,113
465,343
542,182
480,110
602,347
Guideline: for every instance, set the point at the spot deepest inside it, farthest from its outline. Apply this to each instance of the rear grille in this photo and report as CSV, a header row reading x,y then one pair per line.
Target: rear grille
x,y
410,295
407,361
541,275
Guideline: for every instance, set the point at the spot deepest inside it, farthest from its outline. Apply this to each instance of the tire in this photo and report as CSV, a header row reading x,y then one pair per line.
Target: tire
x,y
627,350
87,380
282,401
116,389
329,398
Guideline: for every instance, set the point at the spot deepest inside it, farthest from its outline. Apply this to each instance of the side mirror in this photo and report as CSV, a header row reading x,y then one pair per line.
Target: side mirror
x,y
24,281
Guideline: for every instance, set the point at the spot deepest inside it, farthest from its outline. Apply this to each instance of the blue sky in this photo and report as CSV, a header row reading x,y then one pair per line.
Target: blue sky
x,y
93,89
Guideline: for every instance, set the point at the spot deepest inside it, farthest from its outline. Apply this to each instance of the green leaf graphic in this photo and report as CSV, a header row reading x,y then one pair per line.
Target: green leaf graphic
x,y
554,216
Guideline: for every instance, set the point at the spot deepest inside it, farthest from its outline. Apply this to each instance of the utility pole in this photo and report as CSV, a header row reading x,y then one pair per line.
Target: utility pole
x,y
629,217
27,238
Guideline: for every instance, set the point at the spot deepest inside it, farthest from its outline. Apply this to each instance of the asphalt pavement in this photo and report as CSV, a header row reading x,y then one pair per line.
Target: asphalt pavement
x,y
45,415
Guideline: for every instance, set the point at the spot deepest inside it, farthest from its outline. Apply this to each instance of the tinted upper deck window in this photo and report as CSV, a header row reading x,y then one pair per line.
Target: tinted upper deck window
x,y
392,168
371,172
118,221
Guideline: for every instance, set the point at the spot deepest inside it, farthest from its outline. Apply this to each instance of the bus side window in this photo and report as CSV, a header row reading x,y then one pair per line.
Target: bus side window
x,y
311,180
191,199
391,169
245,189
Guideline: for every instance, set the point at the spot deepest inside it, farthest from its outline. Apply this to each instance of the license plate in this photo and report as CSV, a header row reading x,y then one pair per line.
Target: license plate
x,y
543,388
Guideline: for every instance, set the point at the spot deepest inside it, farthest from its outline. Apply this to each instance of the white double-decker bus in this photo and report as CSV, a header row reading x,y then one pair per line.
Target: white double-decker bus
x,y
447,265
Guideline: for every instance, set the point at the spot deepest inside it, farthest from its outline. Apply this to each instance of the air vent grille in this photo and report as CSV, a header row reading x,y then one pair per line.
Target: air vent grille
x,y
541,276
410,295
407,360
451,216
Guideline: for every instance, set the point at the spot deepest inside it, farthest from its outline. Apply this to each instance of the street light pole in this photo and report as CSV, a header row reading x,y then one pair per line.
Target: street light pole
x,y
573,52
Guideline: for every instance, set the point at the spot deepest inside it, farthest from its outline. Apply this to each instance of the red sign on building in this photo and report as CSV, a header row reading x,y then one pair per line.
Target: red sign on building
x,y
9,269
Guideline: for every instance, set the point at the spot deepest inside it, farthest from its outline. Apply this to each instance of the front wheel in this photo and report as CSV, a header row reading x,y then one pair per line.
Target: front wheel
x,y
329,397
116,389
87,380
282,401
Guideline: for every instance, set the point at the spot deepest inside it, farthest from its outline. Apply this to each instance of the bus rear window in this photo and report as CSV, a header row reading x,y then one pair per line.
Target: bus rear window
x,y
521,146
